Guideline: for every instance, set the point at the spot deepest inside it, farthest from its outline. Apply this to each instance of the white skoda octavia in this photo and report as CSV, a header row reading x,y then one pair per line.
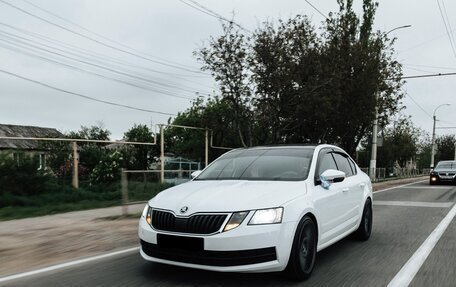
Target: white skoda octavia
x,y
259,209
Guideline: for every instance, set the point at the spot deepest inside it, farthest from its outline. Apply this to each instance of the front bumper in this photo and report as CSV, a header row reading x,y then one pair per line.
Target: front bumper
x,y
259,248
442,178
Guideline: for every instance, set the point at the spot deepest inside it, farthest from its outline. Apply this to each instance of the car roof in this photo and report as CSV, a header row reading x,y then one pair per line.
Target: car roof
x,y
280,146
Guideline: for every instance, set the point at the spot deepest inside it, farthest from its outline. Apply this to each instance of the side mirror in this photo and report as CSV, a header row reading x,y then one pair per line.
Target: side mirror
x,y
331,176
196,173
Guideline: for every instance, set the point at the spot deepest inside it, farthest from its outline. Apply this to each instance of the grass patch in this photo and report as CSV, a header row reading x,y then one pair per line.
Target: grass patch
x,y
13,206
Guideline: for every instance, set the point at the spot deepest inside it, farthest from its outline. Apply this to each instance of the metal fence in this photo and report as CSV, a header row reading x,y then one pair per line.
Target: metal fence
x,y
380,174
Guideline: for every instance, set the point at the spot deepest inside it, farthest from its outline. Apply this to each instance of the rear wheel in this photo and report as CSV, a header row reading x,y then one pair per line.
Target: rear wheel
x,y
365,227
304,250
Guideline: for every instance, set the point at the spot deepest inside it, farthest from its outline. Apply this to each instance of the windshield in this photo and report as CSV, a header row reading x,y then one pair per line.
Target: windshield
x,y
261,164
449,165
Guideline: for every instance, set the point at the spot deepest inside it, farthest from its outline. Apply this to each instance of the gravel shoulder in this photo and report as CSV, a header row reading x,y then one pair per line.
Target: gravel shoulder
x,y
32,243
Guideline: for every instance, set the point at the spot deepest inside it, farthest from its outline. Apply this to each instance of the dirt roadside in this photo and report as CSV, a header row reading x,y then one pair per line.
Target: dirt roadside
x,y
31,243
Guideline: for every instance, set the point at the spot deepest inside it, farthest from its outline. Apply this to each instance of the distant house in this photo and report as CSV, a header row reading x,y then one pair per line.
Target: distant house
x,y
27,147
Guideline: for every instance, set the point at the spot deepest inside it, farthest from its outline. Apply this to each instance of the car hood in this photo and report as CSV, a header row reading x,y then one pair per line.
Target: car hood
x,y
444,170
227,195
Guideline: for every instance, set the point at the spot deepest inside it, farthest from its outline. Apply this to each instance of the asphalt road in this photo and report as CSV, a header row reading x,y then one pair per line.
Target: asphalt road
x,y
403,219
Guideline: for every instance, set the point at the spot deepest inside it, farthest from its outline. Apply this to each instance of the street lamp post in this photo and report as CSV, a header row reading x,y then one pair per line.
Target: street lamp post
x,y
373,161
434,118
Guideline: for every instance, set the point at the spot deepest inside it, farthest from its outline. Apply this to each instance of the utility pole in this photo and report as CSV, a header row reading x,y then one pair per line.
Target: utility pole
x,y
433,141
75,166
373,161
162,154
434,118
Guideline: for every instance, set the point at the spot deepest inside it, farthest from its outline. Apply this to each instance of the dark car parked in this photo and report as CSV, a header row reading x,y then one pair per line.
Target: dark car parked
x,y
444,172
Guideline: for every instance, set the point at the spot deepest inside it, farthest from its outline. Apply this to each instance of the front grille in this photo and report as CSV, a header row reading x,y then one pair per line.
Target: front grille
x,y
196,224
211,258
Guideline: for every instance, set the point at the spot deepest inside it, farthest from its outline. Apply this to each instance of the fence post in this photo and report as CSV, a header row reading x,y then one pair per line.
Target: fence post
x,y
75,166
206,148
124,186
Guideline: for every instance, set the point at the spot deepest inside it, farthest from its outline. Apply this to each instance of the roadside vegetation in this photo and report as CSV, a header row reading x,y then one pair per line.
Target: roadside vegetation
x,y
27,190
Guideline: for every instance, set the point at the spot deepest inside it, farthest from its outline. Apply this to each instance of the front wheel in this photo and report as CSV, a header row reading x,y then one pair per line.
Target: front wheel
x,y
365,227
304,250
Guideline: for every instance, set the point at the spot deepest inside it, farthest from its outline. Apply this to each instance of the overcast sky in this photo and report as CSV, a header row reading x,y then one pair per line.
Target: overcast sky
x,y
168,31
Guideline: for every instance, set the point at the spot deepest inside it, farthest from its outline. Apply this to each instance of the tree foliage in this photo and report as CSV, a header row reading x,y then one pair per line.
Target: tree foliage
x,y
445,147
226,58
139,157
401,143
291,82
217,115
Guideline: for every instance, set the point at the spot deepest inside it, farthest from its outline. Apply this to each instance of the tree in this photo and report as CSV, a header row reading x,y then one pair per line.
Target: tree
x,y
139,156
226,59
401,143
90,153
215,114
308,86
60,153
445,147
97,132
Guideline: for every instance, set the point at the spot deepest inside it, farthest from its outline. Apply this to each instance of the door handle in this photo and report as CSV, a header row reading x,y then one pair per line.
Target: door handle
x,y
345,189
362,185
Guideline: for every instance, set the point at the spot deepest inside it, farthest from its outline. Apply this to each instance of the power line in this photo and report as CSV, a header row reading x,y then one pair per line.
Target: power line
x,y
197,6
428,66
446,28
448,21
427,76
15,46
99,35
419,106
97,41
316,9
415,69
98,56
128,73
84,96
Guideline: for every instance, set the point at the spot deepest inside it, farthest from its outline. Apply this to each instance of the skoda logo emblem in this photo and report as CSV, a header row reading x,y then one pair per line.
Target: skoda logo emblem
x,y
184,209
448,173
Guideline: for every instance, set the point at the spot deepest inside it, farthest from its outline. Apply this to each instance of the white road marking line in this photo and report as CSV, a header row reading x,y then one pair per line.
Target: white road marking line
x,y
428,187
413,265
414,203
67,264
399,186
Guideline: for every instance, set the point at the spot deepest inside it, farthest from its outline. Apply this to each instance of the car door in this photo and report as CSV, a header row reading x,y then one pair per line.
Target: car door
x,y
352,189
329,203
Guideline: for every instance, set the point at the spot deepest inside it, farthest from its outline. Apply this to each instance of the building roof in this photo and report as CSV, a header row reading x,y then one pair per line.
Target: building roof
x,y
25,131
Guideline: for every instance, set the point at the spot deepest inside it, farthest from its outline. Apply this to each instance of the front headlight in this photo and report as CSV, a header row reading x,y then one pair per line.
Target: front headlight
x,y
147,214
235,220
267,216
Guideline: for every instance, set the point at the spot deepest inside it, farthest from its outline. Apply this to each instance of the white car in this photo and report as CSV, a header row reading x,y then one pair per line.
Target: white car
x,y
259,209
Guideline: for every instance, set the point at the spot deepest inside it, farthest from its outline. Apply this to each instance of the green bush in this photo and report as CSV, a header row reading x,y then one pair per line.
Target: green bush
x,y
23,176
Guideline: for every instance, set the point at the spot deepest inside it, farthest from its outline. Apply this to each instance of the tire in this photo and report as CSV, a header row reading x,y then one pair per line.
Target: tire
x,y
304,250
365,227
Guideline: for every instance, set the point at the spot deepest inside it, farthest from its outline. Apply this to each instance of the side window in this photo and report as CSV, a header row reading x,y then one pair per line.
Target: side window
x,y
325,161
343,164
